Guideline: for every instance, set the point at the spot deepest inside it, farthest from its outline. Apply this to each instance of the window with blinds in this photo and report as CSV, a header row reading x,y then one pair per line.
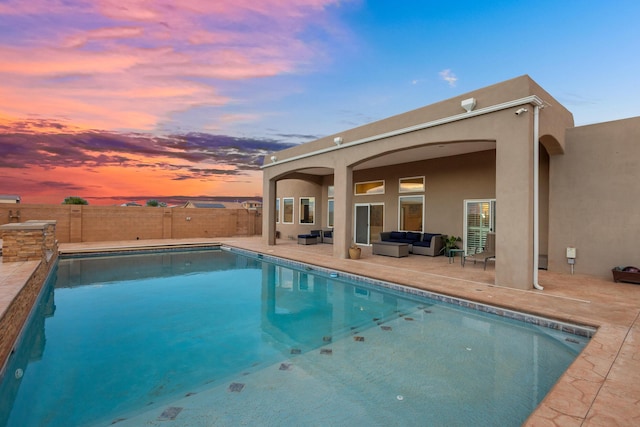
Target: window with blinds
x,y
479,220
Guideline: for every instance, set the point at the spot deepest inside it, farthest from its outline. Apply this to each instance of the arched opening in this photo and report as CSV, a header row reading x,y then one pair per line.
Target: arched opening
x,y
548,146
301,203
543,207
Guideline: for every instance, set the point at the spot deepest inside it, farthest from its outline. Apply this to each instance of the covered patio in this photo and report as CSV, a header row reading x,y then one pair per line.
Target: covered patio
x,y
496,153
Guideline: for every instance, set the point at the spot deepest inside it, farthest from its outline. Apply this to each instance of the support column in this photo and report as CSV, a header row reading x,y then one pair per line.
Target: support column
x,y
343,211
269,192
514,217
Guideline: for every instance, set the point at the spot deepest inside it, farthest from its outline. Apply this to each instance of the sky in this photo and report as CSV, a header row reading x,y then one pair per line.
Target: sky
x,y
131,100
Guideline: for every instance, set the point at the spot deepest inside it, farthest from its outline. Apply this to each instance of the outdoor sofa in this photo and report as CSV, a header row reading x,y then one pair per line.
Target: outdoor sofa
x,y
312,238
429,244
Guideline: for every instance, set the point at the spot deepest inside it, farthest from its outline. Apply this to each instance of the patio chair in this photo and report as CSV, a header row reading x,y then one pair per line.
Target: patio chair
x,y
485,254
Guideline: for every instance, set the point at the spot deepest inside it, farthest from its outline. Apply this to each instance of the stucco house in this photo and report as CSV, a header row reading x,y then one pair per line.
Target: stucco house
x,y
252,205
505,158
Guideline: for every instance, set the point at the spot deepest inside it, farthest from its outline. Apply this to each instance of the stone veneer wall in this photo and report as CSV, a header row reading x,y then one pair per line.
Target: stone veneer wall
x,y
31,241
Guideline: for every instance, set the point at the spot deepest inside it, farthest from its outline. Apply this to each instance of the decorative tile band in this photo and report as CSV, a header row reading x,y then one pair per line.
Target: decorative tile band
x,y
584,331
140,251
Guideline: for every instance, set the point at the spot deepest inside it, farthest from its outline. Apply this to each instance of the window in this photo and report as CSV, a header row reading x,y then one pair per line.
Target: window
x,y
411,213
305,282
479,219
284,278
330,213
307,210
330,191
370,187
277,211
411,185
287,210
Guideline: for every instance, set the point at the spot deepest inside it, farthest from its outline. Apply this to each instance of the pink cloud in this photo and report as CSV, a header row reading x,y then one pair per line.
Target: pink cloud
x,y
133,63
165,10
35,7
51,62
104,33
105,102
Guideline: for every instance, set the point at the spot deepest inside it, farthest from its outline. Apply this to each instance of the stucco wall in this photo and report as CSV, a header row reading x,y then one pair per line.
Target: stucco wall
x,y
298,188
595,198
448,182
515,88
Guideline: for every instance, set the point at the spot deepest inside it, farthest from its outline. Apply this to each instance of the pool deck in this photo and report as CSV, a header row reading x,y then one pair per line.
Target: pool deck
x,y
601,388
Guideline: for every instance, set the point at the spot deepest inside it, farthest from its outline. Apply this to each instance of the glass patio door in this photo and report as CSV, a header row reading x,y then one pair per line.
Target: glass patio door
x,y
479,219
368,222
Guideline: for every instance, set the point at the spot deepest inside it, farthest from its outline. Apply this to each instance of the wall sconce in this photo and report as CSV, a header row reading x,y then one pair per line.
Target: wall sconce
x,y
273,159
188,218
337,140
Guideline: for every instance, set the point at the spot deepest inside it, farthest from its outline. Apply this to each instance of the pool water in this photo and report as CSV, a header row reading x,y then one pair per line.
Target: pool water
x,y
217,338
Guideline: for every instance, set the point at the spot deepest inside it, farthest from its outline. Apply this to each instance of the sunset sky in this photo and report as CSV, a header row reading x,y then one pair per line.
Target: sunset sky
x,y
123,100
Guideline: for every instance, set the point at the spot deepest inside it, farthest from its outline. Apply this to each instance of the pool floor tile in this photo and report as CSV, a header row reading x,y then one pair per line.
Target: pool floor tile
x,y
236,387
170,413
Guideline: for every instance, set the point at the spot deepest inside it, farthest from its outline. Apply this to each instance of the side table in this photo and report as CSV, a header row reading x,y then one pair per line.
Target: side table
x,y
452,255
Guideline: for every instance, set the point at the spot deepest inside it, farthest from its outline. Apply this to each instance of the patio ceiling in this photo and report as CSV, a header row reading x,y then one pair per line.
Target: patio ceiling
x,y
415,154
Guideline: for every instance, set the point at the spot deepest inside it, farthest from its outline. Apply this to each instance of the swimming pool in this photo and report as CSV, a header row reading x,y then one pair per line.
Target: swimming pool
x,y
222,338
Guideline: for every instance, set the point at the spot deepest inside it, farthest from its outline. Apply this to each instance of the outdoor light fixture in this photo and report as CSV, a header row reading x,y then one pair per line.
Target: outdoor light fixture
x,y
337,140
273,159
468,104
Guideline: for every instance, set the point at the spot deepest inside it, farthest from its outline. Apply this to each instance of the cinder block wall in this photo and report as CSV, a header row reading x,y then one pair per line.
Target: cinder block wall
x,y
77,223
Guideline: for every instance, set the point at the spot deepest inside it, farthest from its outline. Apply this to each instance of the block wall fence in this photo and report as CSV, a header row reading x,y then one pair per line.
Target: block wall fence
x,y
81,223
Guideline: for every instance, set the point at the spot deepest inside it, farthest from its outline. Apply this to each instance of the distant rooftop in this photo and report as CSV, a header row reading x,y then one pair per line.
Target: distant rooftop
x,y
206,205
9,198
